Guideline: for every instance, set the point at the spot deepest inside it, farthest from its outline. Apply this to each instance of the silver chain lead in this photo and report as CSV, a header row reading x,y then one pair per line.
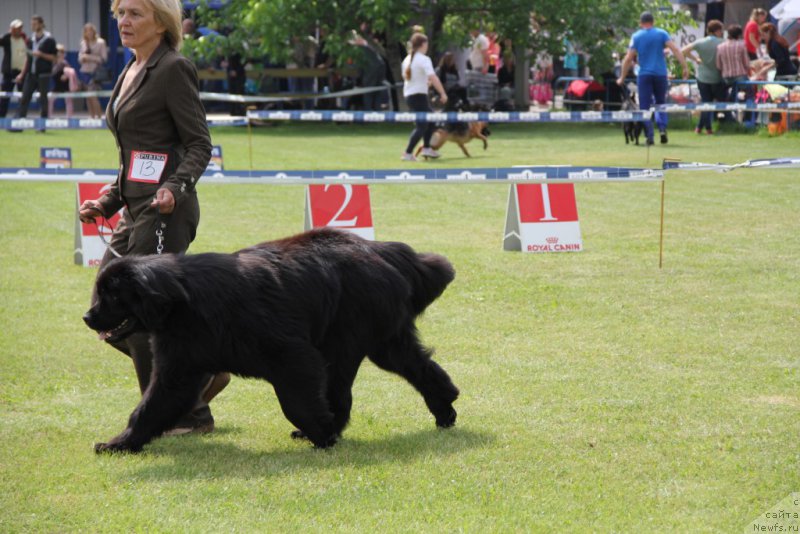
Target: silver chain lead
x,y
160,235
160,225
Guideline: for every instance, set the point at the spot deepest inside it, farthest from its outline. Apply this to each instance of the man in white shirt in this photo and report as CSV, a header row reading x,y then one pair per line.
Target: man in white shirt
x,y
479,54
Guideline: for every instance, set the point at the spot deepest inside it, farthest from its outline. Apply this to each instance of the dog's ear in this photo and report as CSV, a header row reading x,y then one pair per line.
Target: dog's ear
x,y
159,289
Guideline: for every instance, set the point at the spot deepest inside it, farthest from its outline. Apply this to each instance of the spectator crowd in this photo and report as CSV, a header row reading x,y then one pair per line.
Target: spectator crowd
x,y
482,75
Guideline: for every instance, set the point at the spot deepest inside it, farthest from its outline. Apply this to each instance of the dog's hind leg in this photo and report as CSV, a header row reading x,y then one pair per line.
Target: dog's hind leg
x,y
300,384
170,395
407,357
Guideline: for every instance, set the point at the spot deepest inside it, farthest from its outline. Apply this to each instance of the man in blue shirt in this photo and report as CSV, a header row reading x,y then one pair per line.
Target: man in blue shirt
x,y
648,45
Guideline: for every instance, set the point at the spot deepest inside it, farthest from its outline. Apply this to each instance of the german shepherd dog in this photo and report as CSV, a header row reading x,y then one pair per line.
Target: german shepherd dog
x,y
460,133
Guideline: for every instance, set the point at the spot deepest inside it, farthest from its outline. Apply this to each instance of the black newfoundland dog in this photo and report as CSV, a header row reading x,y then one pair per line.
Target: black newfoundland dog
x,y
301,313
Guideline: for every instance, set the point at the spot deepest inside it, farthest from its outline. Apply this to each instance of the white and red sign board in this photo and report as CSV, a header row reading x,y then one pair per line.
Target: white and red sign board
x,y
89,248
343,206
542,218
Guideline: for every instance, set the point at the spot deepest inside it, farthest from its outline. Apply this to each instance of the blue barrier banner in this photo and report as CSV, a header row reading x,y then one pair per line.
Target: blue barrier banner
x,y
89,124
52,124
724,106
776,163
451,116
524,174
510,116
519,174
409,117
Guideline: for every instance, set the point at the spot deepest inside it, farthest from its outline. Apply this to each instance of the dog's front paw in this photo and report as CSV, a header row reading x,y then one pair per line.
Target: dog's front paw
x,y
447,420
327,443
117,445
298,434
109,448
319,444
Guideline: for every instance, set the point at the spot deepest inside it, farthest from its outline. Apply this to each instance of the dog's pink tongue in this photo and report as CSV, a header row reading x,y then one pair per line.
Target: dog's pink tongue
x,y
102,336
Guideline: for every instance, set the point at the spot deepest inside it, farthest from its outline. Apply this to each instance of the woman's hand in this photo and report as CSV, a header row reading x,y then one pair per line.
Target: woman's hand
x,y
89,210
164,201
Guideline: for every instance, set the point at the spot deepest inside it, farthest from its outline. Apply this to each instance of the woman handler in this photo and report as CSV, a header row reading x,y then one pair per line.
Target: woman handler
x,y
418,75
164,146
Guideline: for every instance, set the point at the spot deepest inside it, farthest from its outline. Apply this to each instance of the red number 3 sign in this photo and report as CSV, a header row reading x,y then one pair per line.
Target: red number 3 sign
x,y
343,206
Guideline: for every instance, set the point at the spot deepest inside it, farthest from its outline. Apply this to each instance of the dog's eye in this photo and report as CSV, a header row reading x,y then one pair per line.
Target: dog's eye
x,y
108,296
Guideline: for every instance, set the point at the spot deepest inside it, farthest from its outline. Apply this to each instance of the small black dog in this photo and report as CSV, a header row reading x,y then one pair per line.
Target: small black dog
x,y
632,129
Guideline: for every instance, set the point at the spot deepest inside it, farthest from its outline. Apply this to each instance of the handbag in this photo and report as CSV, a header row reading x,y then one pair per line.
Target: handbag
x,y
102,74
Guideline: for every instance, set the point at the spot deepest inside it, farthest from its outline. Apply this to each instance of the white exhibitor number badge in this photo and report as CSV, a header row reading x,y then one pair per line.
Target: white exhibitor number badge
x,y
147,167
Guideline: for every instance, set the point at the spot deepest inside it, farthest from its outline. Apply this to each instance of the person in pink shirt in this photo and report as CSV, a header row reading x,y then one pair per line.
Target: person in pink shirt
x,y
732,59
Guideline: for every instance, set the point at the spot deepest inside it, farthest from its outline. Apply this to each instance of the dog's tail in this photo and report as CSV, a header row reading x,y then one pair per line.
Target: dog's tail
x,y
427,273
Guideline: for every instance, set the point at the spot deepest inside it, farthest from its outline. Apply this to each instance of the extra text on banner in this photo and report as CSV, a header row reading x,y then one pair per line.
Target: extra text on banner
x,y
55,157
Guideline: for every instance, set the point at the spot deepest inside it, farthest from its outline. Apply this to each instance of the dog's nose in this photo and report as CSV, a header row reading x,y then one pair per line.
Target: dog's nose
x,y
87,317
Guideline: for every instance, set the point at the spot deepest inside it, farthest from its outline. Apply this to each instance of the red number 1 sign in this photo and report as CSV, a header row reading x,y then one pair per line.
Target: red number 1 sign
x,y
343,206
542,218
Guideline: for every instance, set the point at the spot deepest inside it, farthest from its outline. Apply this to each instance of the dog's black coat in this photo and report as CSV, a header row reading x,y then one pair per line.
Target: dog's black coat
x,y
301,312
632,129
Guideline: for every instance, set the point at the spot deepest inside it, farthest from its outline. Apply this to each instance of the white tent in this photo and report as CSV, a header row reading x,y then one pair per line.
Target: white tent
x,y
786,9
788,12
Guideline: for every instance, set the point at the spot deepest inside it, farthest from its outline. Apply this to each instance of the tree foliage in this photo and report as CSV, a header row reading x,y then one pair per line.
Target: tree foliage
x,y
265,28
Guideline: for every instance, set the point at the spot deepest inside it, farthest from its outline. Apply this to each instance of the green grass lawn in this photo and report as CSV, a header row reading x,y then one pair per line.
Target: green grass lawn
x,y
597,390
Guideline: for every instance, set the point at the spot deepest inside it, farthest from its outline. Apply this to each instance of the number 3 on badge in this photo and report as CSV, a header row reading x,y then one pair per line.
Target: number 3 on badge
x,y
343,206
147,167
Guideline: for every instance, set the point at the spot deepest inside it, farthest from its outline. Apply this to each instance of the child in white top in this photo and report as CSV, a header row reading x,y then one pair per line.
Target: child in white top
x,y
418,75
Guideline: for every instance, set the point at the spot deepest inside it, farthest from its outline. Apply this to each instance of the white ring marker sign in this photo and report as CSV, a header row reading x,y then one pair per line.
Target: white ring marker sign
x,y
344,206
542,218
89,248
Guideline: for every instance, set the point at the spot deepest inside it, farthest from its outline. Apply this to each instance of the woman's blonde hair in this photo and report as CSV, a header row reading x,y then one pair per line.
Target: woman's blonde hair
x,y
168,14
89,26
417,40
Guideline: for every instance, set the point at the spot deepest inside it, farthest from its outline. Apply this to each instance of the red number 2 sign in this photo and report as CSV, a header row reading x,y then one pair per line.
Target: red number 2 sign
x,y
344,206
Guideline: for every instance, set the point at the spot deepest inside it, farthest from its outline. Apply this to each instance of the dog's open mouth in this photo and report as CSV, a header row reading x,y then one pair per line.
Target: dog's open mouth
x,y
120,331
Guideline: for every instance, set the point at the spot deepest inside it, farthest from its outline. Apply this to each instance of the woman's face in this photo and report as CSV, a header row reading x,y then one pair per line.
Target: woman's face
x,y
89,33
137,24
423,49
